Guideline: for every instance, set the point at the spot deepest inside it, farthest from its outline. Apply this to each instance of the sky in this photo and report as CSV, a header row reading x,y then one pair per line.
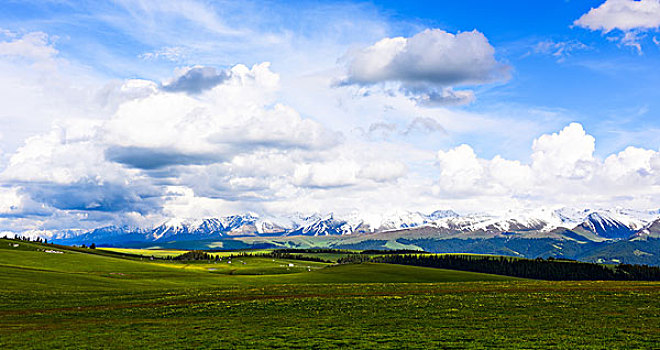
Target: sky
x,y
130,112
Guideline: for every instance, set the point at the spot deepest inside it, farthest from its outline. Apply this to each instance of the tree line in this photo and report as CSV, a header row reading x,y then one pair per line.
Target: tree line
x,y
195,255
26,239
550,269
311,250
199,255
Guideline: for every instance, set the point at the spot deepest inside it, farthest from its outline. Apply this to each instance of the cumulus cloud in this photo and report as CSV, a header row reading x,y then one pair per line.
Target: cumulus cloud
x,y
341,173
641,166
622,15
38,86
236,116
214,142
94,195
66,170
149,159
16,205
196,79
232,142
383,171
34,46
568,153
200,156
631,17
428,64
460,170
328,174
563,169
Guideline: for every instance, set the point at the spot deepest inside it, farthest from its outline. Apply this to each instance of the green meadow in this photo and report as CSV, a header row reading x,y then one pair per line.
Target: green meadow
x,y
101,298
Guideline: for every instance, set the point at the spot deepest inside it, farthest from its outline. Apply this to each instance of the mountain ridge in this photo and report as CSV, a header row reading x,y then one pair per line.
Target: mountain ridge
x,y
563,223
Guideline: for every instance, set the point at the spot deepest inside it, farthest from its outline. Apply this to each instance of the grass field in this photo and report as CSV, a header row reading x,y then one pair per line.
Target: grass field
x,y
159,253
87,298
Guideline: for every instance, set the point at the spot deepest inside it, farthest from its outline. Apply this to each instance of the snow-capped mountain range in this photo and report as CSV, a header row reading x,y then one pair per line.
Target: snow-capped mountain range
x,y
564,223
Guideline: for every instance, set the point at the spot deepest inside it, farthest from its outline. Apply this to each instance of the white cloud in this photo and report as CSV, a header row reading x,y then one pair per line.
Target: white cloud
x,y
339,173
37,87
11,201
637,165
424,125
214,141
264,157
465,175
623,15
34,46
567,154
196,79
563,171
559,49
174,54
428,64
460,170
236,116
328,174
232,144
383,171
631,17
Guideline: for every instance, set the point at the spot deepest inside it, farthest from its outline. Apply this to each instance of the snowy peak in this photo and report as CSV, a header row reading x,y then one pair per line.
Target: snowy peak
x,y
322,226
118,234
506,222
179,227
236,222
594,225
235,225
651,230
441,214
607,226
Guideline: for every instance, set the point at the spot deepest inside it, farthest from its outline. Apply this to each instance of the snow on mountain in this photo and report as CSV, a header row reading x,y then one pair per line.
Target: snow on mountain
x,y
317,225
402,220
323,225
273,226
441,214
603,223
538,223
235,225
543,220
114,234
651,230
44,234
605,226
570,217
177,227
616,223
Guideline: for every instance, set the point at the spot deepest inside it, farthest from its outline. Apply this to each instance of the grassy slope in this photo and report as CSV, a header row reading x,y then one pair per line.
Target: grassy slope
x,y
107,269
159,253
92,300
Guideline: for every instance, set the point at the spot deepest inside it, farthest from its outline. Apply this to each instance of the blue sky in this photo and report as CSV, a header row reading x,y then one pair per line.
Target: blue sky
x,y
606,87
516,82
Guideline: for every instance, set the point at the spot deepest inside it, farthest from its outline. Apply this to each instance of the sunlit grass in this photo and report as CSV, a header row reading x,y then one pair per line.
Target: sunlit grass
x,y
85,299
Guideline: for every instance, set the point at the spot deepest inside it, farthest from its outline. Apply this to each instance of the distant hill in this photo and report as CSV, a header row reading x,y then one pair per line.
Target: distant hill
x,y
607,235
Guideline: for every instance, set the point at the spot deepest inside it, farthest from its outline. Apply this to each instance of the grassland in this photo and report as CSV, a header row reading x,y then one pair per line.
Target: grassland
x,y
158,253
87,298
